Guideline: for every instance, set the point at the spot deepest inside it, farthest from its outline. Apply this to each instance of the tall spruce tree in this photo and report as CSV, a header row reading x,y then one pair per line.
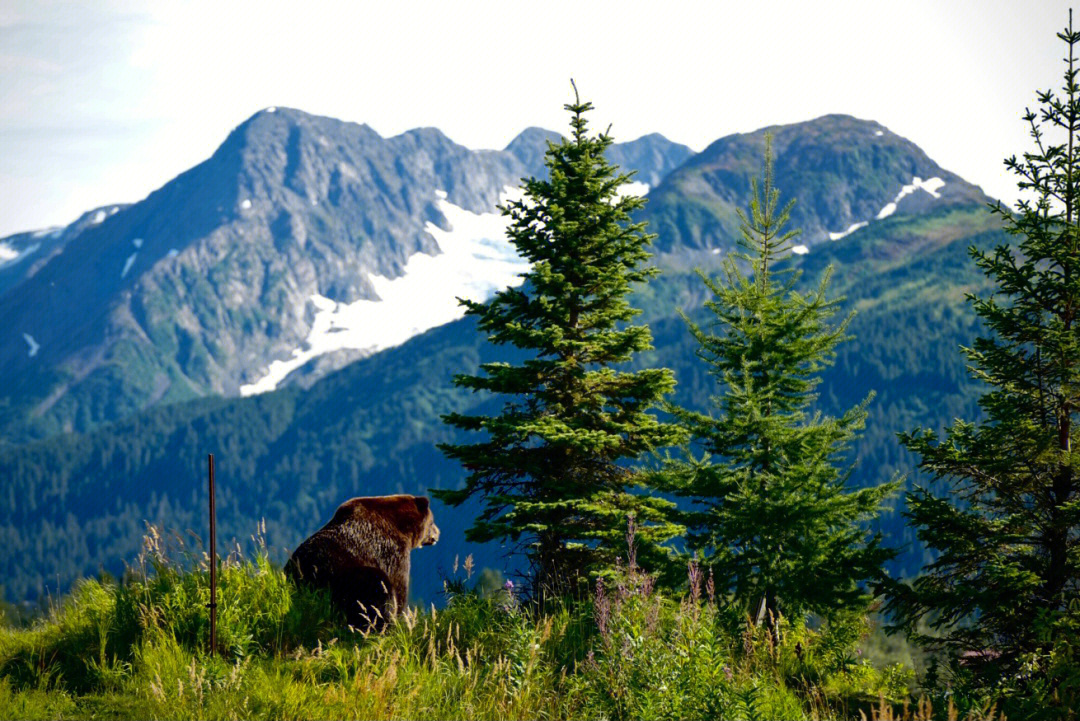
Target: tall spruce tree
x,y
1007,532
551,470
772,511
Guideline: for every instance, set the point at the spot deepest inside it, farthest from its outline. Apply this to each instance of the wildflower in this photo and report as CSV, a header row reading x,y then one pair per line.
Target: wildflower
x,y
693,573
602,607
508,604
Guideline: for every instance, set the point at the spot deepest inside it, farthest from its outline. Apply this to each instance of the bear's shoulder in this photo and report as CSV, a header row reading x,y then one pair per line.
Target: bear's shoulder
x,y
408,516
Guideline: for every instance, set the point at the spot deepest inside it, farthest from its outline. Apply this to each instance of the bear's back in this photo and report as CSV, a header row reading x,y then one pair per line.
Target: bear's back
x,y
360,539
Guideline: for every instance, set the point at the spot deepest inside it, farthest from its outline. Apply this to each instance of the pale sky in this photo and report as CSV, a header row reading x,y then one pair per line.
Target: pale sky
x,y
105,101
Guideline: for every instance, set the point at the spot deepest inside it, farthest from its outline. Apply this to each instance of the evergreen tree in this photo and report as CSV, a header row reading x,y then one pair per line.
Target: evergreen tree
x,y
771,508
1006,534
551,471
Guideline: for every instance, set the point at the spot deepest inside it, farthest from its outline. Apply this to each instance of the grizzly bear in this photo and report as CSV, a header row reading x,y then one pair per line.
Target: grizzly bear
x,y
362,555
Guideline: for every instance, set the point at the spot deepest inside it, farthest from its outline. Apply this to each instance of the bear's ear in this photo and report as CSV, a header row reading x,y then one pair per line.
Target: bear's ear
x,y
422,504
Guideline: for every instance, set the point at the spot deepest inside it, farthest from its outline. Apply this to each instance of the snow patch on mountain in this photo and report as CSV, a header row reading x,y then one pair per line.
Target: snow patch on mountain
x,y
10,256
98,217
931,186
851,229
476,262
127,265
34,345
245,204
799,249
885,212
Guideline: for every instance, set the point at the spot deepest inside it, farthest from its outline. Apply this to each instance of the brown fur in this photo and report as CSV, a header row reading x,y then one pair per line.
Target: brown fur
x,y
362,555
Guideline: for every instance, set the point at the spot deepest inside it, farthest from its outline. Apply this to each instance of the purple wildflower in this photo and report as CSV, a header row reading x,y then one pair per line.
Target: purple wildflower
x,y
602,608
693,575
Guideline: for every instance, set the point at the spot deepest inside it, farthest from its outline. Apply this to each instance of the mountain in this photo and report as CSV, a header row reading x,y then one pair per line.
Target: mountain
x,y
22,255
78,502
846,173
276,260
653,157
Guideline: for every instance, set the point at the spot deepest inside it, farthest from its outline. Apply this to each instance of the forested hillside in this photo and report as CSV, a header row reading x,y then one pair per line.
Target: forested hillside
x,y
79,503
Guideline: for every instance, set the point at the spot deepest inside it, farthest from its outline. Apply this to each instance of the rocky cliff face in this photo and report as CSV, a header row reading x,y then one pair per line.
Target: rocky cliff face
x,y
202,286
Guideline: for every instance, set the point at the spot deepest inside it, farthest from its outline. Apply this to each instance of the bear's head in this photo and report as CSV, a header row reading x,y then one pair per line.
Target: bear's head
x,y
409,514
429,532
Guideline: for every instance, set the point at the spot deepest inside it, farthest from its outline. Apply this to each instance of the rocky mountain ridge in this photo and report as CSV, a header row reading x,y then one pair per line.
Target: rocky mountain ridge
x,y
200,288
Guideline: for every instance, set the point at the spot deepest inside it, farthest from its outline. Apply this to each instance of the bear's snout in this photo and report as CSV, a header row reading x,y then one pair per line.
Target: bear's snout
x,y
432,536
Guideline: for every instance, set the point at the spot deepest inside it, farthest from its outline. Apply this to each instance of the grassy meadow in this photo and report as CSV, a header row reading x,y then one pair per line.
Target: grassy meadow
x,y
137,648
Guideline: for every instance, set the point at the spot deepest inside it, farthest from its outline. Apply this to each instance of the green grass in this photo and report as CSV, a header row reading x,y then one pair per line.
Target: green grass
x,y
137,649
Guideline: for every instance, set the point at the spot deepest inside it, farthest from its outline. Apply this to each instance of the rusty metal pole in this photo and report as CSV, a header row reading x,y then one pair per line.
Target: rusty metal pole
x,y
213,562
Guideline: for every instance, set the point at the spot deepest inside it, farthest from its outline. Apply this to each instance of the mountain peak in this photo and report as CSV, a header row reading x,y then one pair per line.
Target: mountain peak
x,y
844,173
530,146
426,134
651,156
651,138
531,136
272,122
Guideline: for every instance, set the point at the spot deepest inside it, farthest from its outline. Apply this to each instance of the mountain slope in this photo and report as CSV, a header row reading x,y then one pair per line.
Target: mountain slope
x,y
233,266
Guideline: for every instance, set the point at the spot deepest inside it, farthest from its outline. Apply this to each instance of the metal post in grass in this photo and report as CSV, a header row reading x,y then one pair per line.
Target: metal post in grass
x,y
213,562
